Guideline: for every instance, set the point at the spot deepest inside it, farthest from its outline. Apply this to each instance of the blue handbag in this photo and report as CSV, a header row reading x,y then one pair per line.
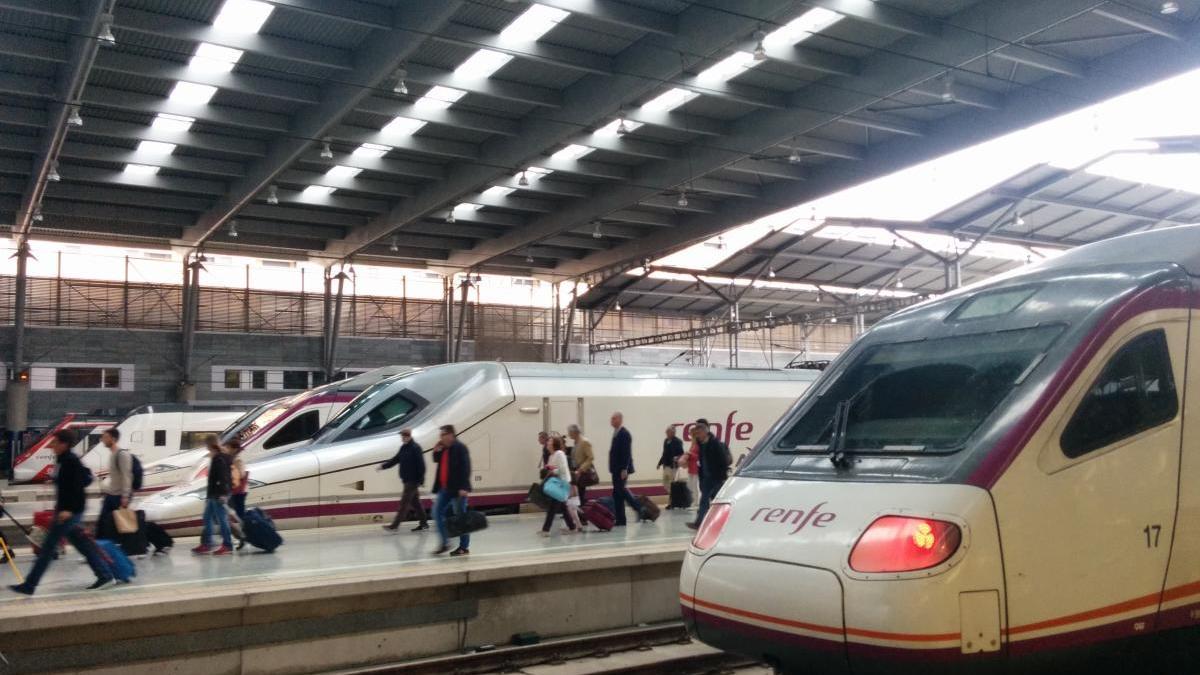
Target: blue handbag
x,y
556,489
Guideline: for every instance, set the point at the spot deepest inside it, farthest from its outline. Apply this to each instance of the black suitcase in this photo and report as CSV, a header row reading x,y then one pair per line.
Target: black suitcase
x,y
260,530
465,523
681,496
135,543
157,537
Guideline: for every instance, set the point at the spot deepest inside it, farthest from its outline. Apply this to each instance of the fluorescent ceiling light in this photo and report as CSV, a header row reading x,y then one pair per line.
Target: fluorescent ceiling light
x,y
482,64
801,28
1174,171
497,191
573,151
371,150
610,129
533,23
440,98
169,122
192,93
403,126
669,100
537,170
243,16
340,171
140,169
210,58
729,67
155,148
317,191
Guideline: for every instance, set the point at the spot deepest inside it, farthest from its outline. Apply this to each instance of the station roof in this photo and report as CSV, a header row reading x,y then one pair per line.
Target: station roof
x,y
557,138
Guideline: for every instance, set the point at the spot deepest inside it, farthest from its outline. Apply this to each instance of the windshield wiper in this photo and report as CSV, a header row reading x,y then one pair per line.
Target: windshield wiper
x,y
841,425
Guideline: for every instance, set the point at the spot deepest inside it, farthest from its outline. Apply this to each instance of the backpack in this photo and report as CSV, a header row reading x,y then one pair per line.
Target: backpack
x,y
136,469
222,477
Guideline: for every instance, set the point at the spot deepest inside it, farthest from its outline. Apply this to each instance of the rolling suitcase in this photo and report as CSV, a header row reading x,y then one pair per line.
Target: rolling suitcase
x,y
599,515
681,496
260,530
647,510
135,543
157,537
119,565
465,523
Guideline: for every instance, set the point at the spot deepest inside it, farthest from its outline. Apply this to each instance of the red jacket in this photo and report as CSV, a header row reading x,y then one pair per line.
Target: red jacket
x,y
693,459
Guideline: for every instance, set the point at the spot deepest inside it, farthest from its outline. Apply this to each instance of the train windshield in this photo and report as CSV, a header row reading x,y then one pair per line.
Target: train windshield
x,y
920,396
258,419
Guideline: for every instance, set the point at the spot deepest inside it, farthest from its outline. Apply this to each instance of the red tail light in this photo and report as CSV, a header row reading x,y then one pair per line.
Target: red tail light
x,y
710,529
902,544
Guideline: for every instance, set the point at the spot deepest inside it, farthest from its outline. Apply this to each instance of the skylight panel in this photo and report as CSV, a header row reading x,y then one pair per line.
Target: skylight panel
x,y
482,64
210,58
341,172
801,28
169,122
533,23
669,100
497,191
611,128
403,126
140,169
1177,171
317,191
729,67
573,151
243,16
371,150
192,93
440,98
155,148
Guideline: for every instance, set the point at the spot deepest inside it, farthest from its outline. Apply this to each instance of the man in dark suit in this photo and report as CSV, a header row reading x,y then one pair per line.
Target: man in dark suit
x,y
715,461
411,459
620,465
452,484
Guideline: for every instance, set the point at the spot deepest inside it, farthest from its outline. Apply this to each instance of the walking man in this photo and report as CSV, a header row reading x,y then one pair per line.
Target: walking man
x,y
70,481
671,452
220,485
452,484
411,459
715,461
117,488
620,466
584,461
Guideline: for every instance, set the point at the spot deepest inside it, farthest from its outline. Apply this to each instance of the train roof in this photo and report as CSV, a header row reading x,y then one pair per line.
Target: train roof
x,y
360,382
1170,245
586,371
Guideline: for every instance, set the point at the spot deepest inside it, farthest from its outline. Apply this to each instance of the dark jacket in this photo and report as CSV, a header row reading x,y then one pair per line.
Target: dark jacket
x,y
220,478
70,481
411,459
459,470
714,459
672,450
620,453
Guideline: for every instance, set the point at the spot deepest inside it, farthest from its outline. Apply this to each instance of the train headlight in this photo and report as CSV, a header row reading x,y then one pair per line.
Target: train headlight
x,y
903,544
710,529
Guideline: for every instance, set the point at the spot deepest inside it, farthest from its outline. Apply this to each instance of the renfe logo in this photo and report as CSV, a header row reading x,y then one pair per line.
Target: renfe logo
x,y
795,517
724,432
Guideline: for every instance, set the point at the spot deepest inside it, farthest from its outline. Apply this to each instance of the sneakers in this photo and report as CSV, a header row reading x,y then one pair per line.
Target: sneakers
x,y
224,550
202,549
421,527
96,585
459,551
21,588
543,533
441,549
241,544
693,526
391,528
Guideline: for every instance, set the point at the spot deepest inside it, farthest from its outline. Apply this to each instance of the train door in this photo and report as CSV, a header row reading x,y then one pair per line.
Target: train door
x,y
1086,511
561,412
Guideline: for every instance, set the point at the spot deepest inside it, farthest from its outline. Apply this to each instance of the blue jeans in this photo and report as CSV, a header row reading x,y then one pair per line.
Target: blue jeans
x,y
447,503
106,527
621,496
214,511
709,487
78,539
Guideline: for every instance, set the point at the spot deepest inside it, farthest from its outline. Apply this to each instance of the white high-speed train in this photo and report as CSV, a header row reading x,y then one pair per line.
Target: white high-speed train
x,y
1002,479
499,409
270,429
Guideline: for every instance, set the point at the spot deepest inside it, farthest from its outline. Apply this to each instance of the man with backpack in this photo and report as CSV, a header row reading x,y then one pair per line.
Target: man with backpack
x,y
220,485
117,489
71,479
715,461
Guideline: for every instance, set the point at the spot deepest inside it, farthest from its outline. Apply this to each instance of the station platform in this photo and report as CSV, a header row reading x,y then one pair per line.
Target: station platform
x,y
341,597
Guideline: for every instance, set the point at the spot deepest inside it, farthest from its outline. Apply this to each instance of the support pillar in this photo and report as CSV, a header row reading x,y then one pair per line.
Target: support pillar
x,y
16,411
186,391
326,319
22,291
335,324
462,316
555,317
565,356
733,335
447,319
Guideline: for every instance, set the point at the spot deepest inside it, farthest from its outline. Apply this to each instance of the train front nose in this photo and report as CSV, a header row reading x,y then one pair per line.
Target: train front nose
x,y
848,577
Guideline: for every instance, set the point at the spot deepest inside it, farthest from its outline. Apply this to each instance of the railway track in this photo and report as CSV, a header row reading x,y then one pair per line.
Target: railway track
x,y
644,650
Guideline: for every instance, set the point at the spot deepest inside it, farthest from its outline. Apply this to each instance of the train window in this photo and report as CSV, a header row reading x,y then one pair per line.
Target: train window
x,y
387,413
295,379
302,428
160,438
258,379
233,379
995,303
1135,392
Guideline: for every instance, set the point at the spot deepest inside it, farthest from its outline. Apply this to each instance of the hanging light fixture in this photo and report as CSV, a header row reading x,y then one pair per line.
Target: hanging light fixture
x,y
326,151
1169,8
523,181
75,120
529,258
683,200
760,50
1019,221
899,283
53,176
795,157
37,215
621,128
395,246
617,305
450,217
401,86
948,87
771,272
596,233
720,242
106,36
233,229
833,320
272,195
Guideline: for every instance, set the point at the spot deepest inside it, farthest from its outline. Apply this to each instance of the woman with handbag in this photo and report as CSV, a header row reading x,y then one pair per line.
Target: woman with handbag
x,y
558,487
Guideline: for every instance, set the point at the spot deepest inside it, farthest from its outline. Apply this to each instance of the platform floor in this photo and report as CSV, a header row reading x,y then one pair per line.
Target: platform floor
x,y
339,552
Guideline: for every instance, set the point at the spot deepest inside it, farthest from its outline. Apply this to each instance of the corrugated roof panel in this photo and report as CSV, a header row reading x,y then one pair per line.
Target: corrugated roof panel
x,y
197,10
298,25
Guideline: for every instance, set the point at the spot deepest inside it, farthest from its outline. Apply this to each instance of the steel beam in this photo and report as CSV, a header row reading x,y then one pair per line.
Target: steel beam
x,y
376,60
1091,205
1140,20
